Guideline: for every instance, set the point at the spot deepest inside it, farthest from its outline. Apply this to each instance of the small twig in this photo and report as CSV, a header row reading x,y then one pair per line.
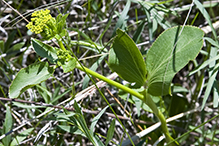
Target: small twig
x,y
29,102
69,109
15,11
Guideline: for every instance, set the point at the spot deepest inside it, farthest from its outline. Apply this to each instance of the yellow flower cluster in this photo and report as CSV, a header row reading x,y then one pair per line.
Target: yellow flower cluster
x,y
39,21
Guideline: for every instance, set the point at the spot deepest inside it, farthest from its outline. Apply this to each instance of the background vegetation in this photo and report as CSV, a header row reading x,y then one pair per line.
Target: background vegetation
x,y
36,118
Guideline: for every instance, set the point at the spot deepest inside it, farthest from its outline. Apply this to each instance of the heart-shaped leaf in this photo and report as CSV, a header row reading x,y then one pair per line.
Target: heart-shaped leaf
x,y
171,51
28,77
126,59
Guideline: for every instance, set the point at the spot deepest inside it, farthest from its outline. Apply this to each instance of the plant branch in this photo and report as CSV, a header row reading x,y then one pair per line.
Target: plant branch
x,y
72,109
145,98
61,44
148,100
111,82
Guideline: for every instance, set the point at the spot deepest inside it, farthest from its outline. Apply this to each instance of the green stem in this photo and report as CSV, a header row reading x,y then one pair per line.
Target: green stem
x,y
158,113
61,44
111,82
146,98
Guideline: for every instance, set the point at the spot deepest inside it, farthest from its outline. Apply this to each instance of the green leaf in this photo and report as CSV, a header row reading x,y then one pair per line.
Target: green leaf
x,y
155,14
204,64
213,73
19,138
44,92
110,132
96,118
149,25
139,31
72,130
61,22
172,50
211,41
45,50
28,77
177,89
2,45
126,60
22,105
81,123
9,40
98,142
206,16
215,94
69,65
15,48
89,45
7,126
64,116
123,17
60,96
138,104
211,85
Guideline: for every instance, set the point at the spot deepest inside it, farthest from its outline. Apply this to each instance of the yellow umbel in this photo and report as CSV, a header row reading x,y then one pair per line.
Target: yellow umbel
x,y
39,20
